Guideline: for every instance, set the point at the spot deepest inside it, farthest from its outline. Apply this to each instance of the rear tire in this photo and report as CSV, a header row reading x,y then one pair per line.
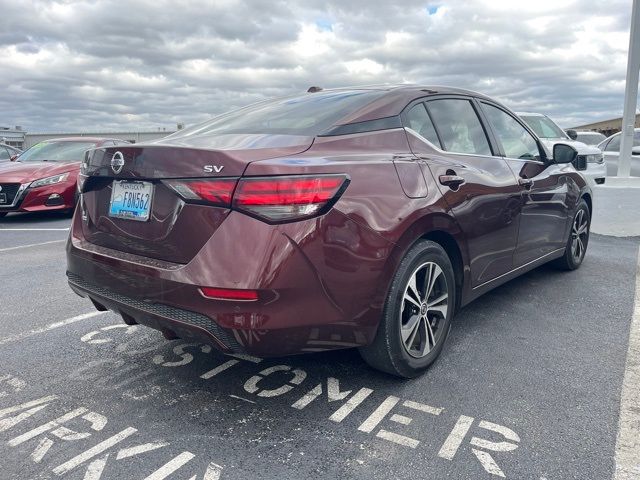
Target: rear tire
x,y
417,313
578,240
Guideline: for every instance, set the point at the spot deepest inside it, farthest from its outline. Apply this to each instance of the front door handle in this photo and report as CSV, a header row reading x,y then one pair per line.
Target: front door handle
x,y
451,181
526,183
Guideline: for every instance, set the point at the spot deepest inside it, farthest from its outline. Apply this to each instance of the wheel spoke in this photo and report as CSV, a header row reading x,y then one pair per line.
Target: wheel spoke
x,y
581,246
438,300
411,300
410,330
412,288
430,339
442,309
582,229
436,271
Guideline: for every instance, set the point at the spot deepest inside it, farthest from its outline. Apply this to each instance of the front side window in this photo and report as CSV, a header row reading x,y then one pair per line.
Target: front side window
x,y
56,152
459,126
4,154
418,120
516,141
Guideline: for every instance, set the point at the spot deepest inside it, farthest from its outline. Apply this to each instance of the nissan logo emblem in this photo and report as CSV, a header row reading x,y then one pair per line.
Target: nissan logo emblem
x,y
117,162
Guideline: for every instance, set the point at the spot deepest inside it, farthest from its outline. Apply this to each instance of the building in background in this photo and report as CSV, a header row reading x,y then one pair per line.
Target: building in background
x,y
607,127
13,136
31,139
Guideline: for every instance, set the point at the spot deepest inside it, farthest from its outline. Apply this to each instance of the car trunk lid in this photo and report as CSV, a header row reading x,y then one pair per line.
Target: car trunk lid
x,y
176,229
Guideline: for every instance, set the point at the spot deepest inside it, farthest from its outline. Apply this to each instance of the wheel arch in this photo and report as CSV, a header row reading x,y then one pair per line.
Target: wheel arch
x,y
442,229
587,198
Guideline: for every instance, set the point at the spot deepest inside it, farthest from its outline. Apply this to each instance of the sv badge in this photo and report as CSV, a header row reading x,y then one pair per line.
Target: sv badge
x,y
213,168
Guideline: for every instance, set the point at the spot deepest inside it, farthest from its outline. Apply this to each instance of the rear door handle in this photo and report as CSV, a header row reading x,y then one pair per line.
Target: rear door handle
x,y
451,181
526,183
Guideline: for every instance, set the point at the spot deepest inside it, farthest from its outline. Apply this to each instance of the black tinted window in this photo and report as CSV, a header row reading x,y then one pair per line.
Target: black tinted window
x,y
309,114
459,126
516,141
418,120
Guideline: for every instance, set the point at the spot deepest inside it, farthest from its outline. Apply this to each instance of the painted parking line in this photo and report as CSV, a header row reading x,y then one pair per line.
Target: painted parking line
x,y
53,326
31,245
628,441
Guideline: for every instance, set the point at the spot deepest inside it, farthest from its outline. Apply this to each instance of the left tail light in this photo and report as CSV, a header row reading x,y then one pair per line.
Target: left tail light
x,y
276,199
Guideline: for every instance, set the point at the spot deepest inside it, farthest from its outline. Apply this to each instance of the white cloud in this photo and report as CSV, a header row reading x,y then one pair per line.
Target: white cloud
x,y
107,64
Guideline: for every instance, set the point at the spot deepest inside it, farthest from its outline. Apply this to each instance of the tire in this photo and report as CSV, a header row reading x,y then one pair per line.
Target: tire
x,y
578,240
399,349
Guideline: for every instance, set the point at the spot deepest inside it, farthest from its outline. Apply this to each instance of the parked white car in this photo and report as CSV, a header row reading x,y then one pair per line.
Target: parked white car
x,y
550,134
590,138
611,149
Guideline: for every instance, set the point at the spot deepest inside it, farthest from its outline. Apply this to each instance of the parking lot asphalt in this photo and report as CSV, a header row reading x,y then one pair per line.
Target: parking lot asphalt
x,y
528,386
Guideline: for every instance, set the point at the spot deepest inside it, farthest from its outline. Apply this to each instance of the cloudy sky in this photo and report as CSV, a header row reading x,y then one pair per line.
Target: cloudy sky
x,y
106,65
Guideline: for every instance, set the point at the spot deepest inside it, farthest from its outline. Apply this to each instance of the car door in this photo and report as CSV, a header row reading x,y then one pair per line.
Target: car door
x,y
548,197
479,187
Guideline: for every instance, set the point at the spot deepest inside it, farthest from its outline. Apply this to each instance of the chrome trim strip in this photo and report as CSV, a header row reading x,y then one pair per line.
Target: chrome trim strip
x,y
518,268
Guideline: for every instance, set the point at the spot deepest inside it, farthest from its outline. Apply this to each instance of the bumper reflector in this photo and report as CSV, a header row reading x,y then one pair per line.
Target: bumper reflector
x,y
230,294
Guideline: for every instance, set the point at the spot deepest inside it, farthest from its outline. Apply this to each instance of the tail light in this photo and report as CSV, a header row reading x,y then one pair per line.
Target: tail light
x,y
230,294
212,192
275,199
287,198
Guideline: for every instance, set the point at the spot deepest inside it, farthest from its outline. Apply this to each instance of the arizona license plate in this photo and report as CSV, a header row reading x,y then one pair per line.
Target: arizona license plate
x,y
131,200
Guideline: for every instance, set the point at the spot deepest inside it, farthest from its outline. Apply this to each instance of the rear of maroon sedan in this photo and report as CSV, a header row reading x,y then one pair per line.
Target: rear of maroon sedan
x,y
236,232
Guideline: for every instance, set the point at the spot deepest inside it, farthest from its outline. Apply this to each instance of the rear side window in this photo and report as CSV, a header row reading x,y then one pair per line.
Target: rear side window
x,y
516,141
459,126
418,120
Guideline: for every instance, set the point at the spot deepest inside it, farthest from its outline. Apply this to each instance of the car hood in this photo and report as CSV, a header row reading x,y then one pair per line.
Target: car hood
x,y
18,172
582,148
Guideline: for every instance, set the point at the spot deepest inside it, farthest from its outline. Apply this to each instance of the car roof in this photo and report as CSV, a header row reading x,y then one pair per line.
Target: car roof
x,y
395,98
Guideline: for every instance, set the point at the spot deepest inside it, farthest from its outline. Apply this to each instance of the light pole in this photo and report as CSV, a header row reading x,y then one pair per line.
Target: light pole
x,y
631,93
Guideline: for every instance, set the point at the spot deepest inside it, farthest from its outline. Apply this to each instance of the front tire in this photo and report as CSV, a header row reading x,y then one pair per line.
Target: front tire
x,y
576,247
417,313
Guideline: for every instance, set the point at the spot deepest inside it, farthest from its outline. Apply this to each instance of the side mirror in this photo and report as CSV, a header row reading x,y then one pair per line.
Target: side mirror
x,y
635,150
563,153
572,134
14,157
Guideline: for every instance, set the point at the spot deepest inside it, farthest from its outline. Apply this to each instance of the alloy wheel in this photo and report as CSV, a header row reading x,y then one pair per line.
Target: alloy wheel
x,y
423,309
579,235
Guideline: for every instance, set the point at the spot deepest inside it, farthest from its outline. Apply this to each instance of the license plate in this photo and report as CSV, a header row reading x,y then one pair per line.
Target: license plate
x,y
3,198
131,200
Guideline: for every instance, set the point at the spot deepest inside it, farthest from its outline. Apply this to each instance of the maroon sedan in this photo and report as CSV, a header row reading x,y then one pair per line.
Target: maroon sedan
x,y
356,217
44,176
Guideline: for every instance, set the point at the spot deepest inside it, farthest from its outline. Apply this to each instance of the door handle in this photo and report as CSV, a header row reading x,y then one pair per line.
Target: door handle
x,y
526,183
451,181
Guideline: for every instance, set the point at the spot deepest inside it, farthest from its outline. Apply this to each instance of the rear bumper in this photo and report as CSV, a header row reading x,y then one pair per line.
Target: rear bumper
x,y
315,294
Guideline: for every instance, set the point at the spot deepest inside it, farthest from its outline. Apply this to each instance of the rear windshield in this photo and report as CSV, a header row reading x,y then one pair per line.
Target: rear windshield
x,y
56,152
309,115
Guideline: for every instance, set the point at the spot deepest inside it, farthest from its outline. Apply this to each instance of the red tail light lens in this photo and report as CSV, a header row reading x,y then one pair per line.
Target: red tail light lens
x,y
230,294
211,192
286,198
